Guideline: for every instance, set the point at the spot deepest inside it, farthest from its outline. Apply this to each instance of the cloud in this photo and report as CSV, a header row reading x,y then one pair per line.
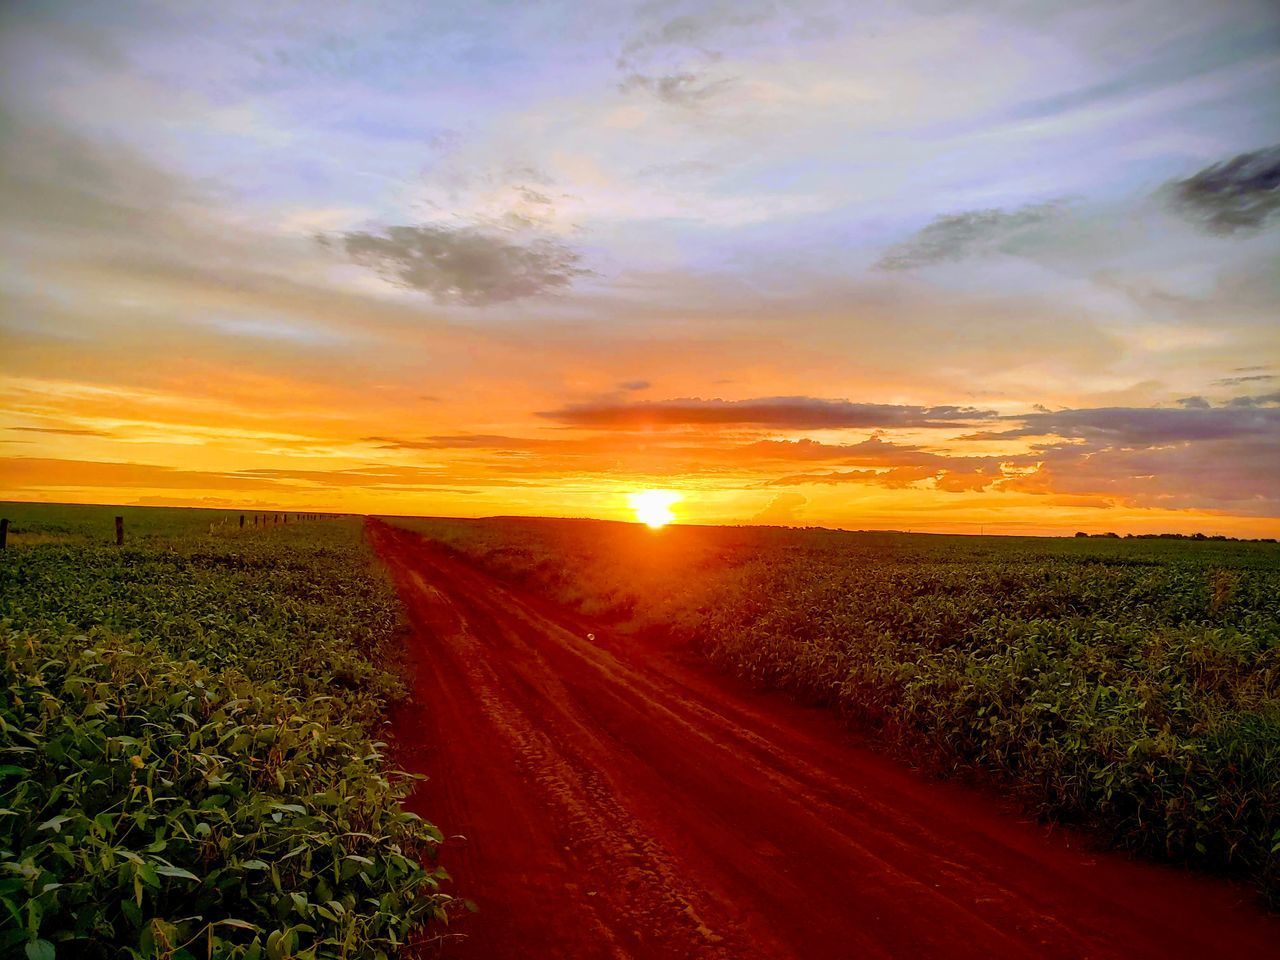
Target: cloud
x,y
782,510
1252,378
634,385
1262,400
58,180
953,480
872,452
467,441
835,476
894,478
1195,456
465,264
669,52
684,89
959,236
64,431
1148,426
684,32
1236,474
1242,193
1192,456
798,413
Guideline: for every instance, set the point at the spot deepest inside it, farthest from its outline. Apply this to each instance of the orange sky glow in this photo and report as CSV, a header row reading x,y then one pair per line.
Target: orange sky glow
x,y
792,266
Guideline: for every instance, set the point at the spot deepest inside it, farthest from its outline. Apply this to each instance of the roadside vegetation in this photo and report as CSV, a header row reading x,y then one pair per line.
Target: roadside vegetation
x,y
1132,686
189,755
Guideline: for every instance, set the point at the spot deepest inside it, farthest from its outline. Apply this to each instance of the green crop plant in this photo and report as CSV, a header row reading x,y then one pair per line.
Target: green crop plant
x,y
189,754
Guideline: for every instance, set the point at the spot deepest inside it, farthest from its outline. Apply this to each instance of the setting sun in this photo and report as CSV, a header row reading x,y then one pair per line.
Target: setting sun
x,y
653,507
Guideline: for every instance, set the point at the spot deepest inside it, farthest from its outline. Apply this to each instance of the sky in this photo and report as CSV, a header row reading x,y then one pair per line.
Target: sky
x,y
997,266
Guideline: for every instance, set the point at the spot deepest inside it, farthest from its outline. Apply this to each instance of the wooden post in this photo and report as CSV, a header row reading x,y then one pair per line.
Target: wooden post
x,y
4,532
119,531
242,521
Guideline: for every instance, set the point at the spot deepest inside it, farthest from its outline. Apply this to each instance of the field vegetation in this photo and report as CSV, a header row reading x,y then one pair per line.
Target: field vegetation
x,y
189,755
1129,685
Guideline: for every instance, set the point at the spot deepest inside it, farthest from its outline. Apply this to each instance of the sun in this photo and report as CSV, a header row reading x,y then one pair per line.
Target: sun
x,y
653,507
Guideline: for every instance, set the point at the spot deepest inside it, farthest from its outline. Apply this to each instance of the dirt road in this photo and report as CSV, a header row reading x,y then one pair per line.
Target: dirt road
x,y
618,800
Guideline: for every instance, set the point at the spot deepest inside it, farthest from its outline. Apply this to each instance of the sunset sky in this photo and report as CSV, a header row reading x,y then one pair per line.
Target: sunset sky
x,y
931,266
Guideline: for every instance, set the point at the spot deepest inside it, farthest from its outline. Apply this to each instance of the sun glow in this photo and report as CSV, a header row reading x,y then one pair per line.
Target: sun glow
x,y
653,507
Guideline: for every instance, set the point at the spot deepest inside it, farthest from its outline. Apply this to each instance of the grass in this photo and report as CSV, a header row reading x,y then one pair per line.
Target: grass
x,y
1129,685
189,763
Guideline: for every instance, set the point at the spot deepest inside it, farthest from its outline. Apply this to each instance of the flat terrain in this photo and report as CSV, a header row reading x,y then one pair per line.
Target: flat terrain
x,y
617,800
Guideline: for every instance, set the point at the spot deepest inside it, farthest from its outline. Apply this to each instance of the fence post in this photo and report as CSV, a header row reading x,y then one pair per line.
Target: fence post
x,y
4,532
119,531
242,521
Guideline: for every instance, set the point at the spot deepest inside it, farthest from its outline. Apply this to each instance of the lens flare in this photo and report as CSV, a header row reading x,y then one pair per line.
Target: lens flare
x,y
653,507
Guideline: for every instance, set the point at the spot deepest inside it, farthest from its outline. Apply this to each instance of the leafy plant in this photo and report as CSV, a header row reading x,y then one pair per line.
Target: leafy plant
x,y
188,762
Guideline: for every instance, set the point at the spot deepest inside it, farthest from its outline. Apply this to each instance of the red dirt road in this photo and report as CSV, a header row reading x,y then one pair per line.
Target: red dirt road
x,y
618,800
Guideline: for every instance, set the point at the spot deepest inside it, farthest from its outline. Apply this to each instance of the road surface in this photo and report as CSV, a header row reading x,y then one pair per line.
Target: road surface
x,y
619,800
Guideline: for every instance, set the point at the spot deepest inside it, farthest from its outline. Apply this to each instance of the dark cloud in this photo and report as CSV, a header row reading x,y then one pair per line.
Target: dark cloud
x,y
634,385
466,265
684,89
1190,457
1146,426
1193,456
799,413
1253,403
1242,193
959,236
1193,403
1236,474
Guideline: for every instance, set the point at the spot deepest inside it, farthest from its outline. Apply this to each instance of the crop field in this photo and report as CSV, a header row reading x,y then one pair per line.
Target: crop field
x,y
190,762
1132,686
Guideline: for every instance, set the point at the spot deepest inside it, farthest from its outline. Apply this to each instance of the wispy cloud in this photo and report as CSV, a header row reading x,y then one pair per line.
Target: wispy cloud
x,y
959,236
685,89
791,412
64,431
1250,378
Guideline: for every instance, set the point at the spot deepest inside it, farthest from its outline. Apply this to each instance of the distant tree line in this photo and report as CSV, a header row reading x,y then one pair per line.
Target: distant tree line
x,y
1176,536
